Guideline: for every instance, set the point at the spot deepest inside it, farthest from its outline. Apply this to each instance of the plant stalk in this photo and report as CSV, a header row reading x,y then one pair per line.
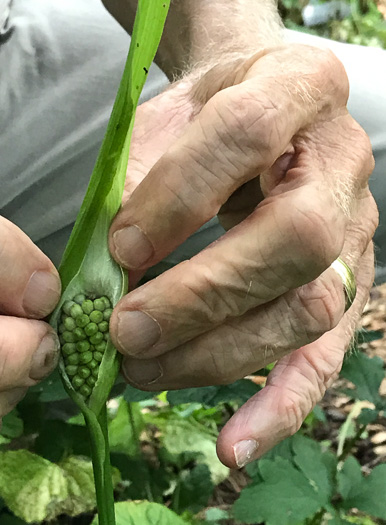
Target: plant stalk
x,y
100,454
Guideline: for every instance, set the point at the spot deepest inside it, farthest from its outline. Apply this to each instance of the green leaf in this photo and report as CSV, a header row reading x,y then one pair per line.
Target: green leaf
x,y
284,496
308,458
12,426
51,389
349,477
193,490
211,396
180,436
124,429
144,513
367,416
367,374
133,395
214,515
142,480
367,495
367,336
69,440
42,490
6,519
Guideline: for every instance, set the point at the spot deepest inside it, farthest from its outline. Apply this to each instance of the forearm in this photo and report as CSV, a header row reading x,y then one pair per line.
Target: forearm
x,y
202,32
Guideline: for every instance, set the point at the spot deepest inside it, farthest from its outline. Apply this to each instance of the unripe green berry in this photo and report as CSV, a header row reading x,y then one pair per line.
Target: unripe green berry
x,y
103,326
68,337
72,359
71,370
91,381
68,348
96,316
79,334
96,339
70,324
101,347
93,365
84,372
67,305
107,301
61,328
77,382
83,346
76,311
107,314
85,390
91,329
79,298
86,357
87,306
95,371
100,305
106,336
98,356
82,320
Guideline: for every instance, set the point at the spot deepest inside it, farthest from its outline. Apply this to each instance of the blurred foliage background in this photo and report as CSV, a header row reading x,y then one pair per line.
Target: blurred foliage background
x,y
360,22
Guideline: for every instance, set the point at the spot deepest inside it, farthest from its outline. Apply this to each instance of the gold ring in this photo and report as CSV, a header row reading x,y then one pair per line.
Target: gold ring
x,y
348,278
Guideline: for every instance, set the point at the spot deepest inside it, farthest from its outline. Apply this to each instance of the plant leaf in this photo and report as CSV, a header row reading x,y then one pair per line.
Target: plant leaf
x,y
367,374
284,496
211,396
43,490
144,513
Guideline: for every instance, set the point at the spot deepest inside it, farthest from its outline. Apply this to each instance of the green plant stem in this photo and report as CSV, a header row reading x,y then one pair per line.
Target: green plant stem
x,y
149,492
100,453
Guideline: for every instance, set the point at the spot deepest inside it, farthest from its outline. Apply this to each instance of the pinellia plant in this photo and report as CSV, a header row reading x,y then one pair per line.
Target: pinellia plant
x,y
92,282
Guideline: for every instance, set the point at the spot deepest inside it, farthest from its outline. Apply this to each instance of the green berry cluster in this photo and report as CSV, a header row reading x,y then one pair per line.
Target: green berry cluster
x,y
84,332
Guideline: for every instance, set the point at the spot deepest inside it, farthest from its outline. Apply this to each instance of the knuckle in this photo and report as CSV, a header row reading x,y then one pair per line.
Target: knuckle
x,y
317,238
247,122
321,306
363,148
334,73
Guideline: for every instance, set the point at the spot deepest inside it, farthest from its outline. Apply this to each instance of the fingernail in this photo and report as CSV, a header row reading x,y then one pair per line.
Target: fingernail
x,y
41,294
132,247
137,331
45,358
143,371
244,450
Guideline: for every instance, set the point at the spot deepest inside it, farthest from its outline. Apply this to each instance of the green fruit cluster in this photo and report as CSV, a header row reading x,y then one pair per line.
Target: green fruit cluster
x,y
84,332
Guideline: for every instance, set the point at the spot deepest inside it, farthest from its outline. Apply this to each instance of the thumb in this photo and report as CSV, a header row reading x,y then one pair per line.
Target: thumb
x,y
298,381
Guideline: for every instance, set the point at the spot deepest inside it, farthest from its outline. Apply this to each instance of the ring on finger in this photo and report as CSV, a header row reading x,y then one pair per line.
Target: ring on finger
x,y
348,279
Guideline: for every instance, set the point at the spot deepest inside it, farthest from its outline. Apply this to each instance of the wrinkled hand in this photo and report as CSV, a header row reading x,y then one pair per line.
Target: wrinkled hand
x,y
268,145
29,291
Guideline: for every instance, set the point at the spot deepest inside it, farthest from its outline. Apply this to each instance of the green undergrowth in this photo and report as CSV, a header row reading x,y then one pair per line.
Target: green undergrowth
x,y
364,26
165,468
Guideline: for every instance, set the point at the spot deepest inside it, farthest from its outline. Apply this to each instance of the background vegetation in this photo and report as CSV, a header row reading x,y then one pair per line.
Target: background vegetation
x,y
163,446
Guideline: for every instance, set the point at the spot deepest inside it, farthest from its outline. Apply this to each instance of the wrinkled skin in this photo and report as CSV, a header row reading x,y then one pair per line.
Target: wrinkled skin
x,y
29,291
267,144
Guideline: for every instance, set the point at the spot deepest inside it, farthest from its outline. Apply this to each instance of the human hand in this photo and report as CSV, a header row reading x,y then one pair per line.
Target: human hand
x,y
29,291
268,145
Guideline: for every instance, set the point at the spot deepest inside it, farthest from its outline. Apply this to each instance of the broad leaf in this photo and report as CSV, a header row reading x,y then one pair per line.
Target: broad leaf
x,y
43,490
211,396
349,477
308,457
284,496
133,395
12,425
367,495
193,490
125,428
144,513
367,374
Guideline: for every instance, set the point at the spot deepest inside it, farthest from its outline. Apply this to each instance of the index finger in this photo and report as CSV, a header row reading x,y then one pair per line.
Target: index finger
x,y
239,133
